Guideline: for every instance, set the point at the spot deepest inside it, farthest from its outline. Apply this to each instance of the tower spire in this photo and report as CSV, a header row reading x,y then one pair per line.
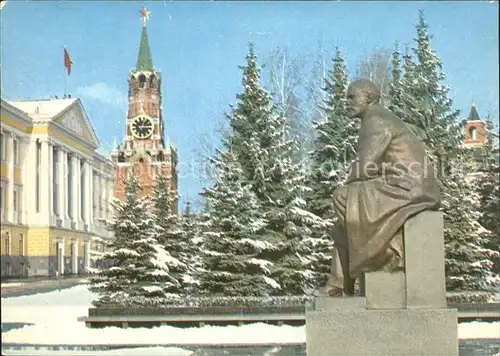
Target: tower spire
x,y
473,115
144,60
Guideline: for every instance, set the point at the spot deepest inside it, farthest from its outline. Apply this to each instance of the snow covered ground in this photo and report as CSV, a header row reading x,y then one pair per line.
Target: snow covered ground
x,y
55,314
12,284
139,351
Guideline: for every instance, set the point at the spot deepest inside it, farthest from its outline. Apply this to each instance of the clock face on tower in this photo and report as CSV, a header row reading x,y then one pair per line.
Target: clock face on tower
x,y
141,127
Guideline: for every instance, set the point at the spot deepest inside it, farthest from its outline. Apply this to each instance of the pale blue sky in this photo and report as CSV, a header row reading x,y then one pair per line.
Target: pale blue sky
x,y
199,46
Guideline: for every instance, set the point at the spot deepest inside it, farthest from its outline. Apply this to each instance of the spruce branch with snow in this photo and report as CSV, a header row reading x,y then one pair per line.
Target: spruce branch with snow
x,y
169,233
488,181
192,232
233,236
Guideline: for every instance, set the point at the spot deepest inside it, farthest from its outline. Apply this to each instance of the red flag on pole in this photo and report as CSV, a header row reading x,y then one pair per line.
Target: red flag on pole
x,y
67,61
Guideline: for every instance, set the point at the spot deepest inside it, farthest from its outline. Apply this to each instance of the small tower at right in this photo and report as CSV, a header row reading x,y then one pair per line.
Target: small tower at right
x,y
475,129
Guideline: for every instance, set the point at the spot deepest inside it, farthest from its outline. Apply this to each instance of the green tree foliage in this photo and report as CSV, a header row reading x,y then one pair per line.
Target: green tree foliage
x,y
169,233
334,149
424,104
138,274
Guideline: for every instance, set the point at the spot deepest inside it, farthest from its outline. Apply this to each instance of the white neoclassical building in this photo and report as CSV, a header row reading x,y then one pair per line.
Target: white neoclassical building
x,y
56,188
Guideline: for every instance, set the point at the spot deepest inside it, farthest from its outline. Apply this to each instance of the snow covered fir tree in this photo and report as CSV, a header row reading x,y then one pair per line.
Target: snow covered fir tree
x,y
139,273
334,149
191,230
170,235
488,181
258,141
421,99
234,243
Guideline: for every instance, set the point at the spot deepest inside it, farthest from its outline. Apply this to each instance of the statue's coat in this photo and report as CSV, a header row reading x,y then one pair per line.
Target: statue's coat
x,y
391,180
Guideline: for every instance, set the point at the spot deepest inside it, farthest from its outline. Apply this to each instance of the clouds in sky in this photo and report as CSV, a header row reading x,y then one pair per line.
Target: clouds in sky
x,y
105,94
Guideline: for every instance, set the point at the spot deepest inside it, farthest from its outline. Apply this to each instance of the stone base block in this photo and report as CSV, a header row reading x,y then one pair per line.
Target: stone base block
x,y
424,261
332,303
385,290
409,332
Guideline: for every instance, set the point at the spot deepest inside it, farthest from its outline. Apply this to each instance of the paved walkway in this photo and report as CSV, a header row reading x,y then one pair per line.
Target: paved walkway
x,y
15,288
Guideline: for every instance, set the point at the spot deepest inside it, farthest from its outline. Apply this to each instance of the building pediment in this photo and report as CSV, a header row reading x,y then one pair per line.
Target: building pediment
x,y
68,114
75,119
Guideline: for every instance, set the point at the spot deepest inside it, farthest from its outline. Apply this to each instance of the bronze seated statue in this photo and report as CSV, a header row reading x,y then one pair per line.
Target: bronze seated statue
x,y
391,180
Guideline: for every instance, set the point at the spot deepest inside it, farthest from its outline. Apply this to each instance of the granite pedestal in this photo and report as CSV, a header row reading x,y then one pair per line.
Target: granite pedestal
x,y
402,313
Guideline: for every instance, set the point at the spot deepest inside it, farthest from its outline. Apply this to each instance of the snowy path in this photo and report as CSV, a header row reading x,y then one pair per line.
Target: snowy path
x,y
55,317
140,351
55,314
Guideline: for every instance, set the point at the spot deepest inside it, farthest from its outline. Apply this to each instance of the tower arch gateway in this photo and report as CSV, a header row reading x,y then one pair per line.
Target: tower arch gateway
x,y
144,150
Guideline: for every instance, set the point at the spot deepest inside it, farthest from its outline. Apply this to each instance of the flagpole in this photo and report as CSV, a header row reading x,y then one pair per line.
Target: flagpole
x,y
65,77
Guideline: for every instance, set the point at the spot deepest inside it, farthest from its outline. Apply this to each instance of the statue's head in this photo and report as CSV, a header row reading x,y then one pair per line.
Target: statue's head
x,y
361,94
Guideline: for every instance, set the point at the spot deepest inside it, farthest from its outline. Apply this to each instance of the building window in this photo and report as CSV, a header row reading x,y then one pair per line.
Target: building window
x,y
19,195
15,145
142,81
8,269
21,244
473,133
8,245
22,268
15,202
60,256
3,199
37,182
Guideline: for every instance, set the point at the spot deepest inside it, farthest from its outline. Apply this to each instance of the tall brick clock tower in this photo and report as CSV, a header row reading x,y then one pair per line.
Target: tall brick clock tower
x,y
144,151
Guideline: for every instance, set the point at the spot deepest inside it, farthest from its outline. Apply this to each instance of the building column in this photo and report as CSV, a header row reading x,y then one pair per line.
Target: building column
x,y
82,181
67,189
95,189
104,196
29,181
60,255
88,192
111,186
74,256
75,181
24,151
44,183
9,203
50,185
61,171
101,196
79,191
86,256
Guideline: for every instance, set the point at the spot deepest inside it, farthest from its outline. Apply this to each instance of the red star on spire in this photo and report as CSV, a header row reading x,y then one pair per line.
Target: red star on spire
x,y
144,15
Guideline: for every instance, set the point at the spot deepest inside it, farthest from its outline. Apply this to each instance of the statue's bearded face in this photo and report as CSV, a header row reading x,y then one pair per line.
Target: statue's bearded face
x,y
357,102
